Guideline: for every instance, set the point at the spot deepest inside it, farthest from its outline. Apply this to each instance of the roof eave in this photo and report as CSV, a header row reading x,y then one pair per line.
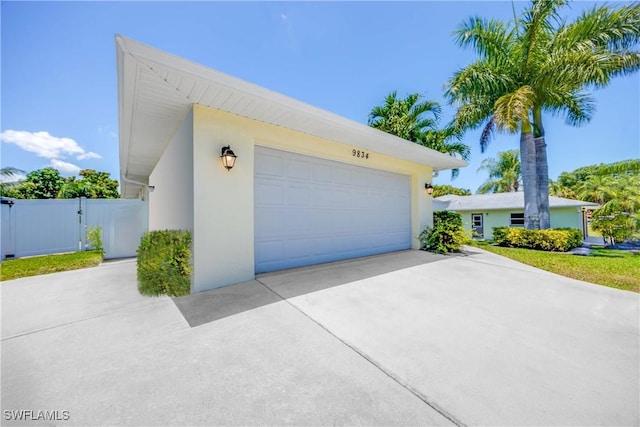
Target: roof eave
x,y
132,55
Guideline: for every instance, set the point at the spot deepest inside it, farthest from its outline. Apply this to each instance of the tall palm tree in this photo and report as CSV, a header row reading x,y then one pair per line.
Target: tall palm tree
x,y
417,121
504,173
541,64
406,118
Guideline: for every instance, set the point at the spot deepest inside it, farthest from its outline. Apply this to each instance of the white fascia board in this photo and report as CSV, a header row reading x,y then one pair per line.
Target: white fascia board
x,y
126,66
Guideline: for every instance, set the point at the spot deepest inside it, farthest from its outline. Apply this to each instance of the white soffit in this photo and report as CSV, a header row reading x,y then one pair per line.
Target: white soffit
x,y
157,89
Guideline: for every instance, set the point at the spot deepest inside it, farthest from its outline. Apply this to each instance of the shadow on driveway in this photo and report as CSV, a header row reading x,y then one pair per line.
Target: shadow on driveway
x,y
268,288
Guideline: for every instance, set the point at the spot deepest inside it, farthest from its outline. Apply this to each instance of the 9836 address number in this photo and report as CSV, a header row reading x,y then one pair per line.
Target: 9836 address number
x,y
360,154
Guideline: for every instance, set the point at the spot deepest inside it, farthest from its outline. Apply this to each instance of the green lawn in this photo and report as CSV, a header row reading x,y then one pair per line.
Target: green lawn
x,y
616,269
33,266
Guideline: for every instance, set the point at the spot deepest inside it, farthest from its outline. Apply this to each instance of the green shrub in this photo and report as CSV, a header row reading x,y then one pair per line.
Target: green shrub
x,y
164,263
615,227
555,240
500,235
447,234
94,238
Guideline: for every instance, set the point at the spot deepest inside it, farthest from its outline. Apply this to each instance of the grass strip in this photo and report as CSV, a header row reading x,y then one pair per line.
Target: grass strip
x,y
45,264
607,267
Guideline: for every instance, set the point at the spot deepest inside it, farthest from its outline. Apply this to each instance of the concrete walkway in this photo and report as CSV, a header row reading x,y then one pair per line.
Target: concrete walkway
x,y
408,338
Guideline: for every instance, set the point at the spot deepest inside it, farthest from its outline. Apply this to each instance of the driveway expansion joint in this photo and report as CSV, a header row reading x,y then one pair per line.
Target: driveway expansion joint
x,y
74,322
377,365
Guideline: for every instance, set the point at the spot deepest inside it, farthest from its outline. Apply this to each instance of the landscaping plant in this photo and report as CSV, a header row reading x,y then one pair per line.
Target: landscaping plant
x,y
447,234
164,263
94,238
554,240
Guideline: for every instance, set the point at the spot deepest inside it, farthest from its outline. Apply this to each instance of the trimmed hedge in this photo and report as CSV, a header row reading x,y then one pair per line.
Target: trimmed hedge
x,y
164,263
553,239
447,234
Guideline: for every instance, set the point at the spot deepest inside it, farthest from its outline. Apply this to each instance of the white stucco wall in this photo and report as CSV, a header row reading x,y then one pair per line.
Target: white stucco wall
x,y
171,202
560,218
223,237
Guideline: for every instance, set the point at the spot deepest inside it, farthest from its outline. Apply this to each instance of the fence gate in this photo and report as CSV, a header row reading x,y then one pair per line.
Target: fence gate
x,y
36,227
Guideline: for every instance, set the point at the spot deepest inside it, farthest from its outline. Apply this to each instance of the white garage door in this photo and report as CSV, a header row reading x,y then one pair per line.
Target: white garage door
x,y
310,210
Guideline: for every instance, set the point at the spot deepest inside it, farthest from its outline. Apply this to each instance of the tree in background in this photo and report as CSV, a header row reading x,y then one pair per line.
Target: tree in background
x,y
590,183
417,121
615,187
504,173
541,63
39,184
443,190
6,174
47,183
92,185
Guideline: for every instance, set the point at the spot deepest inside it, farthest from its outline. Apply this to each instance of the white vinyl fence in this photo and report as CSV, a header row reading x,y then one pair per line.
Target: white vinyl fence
x,y
36,227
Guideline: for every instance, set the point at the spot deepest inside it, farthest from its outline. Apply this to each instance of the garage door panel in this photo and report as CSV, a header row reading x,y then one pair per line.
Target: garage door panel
x,y
297,248
342,197
322,173
363,179
298,169
269,192
271,221
341,175
270,251
270,165
298,221
310,210
298,194
322,196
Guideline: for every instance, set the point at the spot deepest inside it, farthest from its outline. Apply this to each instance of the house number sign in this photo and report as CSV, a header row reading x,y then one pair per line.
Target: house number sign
x,y
360,154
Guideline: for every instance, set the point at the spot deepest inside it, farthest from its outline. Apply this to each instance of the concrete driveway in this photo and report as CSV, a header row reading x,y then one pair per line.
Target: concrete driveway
x,y
408,338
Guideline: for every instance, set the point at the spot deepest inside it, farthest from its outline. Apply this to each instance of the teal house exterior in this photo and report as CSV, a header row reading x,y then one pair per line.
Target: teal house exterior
x,y
482,212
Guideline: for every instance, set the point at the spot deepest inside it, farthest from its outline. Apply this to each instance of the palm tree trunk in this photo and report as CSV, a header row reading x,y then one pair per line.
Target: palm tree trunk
x,y
529,180
542,170
542,180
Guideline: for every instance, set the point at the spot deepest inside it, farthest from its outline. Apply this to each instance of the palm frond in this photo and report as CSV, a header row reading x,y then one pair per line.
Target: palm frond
x,y
537,23
576,107
513,108
601,27
478,79
10,171
487,134
491,39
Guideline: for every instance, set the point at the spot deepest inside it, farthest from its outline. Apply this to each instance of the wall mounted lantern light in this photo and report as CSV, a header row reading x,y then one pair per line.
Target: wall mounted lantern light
x,y
428,188
228,157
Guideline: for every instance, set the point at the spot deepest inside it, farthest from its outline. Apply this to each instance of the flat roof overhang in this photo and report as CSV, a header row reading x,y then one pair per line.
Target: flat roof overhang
x,y
157,89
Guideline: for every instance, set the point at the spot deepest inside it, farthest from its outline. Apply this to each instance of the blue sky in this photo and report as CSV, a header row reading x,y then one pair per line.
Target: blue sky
x,y
59,97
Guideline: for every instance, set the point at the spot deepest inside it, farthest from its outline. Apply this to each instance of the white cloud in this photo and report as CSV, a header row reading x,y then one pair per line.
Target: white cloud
x,y
283,16
65,167
45,145
89,155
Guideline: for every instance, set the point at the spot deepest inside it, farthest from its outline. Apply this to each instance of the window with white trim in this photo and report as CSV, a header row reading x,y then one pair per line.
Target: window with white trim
x,y
517,219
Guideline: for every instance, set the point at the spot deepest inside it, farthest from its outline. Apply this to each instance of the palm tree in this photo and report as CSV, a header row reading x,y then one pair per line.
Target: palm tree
x,y
557,189
405,118
10,172
6,173
417,121
504,173
596,189
541,63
